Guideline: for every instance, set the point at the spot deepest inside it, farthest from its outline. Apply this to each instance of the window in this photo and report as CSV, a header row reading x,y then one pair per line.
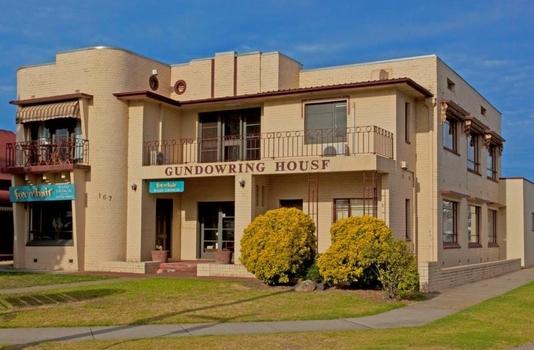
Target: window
x,y
326,122
50,223
450,223
532,221
407,122
450,134
473,151
291,203
344,208
408,220
492,228
451,85
230,135
482,110
491,164
473,226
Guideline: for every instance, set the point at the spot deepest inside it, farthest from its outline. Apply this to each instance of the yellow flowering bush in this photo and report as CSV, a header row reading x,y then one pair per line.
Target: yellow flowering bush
x,y
356,243
364,247
279,245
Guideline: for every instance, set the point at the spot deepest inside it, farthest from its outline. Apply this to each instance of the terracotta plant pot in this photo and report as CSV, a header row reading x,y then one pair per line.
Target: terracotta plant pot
x,y
223,257
160,255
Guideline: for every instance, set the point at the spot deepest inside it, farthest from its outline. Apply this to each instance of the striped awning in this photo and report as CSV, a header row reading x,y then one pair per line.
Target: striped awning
x,y
44,112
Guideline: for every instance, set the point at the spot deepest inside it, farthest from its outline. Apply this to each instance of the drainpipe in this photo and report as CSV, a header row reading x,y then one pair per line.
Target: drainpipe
x,y
430,103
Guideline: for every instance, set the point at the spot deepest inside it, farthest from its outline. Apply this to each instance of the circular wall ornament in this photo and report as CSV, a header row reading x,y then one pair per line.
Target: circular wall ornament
x,y
180,86
153,82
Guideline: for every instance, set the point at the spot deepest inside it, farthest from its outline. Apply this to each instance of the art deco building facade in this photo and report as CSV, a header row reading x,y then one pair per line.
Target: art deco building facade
x,y
117,152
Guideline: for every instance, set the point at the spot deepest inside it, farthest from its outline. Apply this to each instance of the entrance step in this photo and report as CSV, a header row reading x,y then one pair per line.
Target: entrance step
x,y
179,268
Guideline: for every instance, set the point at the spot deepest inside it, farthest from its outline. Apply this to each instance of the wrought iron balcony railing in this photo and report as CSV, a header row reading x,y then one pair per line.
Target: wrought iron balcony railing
x,y
271,145
37,152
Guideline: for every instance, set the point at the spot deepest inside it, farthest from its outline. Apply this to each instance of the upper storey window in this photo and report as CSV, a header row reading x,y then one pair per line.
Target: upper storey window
x,y
228,136
473,152
450,134
494,145
474,130
326,122
451,119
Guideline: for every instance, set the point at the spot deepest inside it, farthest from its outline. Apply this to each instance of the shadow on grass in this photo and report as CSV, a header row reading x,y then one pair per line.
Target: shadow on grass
x,y
42,299
95,333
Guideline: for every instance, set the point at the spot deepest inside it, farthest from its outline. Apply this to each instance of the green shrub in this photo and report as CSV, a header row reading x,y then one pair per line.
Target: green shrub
x,y
279,246
397,271
356,245
364,253
313,273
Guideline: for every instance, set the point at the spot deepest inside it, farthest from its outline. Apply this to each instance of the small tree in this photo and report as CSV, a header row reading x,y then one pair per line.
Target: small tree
x,y
397,271
356,245
279,245
363,248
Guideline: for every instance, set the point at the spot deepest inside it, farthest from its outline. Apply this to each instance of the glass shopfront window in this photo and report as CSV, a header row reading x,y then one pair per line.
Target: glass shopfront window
x,y
50,223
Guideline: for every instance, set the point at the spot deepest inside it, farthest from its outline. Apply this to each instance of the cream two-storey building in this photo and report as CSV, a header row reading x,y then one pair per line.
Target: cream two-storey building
x,y
117,153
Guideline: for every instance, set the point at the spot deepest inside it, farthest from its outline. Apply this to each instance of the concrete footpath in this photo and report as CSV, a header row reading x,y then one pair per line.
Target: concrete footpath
x,y
438,305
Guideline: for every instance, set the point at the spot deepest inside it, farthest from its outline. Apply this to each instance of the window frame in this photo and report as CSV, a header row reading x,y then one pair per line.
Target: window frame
x,y
407,123
54,231
473,212
491,163
335,132
349,207
453,243
450,133
224,143
492,228
473,153
408,219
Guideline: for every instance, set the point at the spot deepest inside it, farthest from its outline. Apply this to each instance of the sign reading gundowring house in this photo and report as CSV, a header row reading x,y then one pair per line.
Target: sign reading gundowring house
x,y
39,193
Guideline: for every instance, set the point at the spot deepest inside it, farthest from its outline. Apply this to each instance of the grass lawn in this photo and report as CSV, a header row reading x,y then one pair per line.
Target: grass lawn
x,y
11,280
163,300
500,323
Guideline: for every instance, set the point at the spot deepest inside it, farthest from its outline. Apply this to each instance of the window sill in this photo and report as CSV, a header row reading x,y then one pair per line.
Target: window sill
x,y
451,245
51,243
493,245
475,172
493,179
451,151
475,245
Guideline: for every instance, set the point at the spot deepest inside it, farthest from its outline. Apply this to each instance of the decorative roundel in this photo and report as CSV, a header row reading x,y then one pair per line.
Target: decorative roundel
x,y
153,82
180,86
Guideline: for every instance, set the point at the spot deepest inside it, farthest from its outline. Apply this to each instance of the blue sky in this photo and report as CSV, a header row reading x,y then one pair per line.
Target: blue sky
x,y
489,43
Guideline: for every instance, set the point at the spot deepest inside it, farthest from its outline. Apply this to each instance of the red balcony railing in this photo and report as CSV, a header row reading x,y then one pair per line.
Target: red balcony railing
x,y
271,145
35,153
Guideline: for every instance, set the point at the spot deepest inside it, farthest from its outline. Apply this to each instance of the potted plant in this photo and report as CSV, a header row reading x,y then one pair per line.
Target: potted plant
x,y
159,254
223,256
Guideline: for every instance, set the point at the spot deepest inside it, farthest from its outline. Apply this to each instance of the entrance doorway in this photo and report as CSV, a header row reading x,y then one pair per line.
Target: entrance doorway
x,y
164,223
216,222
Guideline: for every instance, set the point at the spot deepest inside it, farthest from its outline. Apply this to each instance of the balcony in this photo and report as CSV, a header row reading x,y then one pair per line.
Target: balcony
x,y
36,156
271,145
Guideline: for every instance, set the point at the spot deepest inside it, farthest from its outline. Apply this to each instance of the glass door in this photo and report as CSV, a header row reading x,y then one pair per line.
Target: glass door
x,y
216,222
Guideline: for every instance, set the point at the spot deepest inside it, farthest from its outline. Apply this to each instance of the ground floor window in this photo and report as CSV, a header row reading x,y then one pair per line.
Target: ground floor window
x,y
291,203
50,223
346,207
492,228
450,223
473,226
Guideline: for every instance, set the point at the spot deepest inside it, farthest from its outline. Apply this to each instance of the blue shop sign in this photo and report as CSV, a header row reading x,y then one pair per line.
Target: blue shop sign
x,y
38,193
170,186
